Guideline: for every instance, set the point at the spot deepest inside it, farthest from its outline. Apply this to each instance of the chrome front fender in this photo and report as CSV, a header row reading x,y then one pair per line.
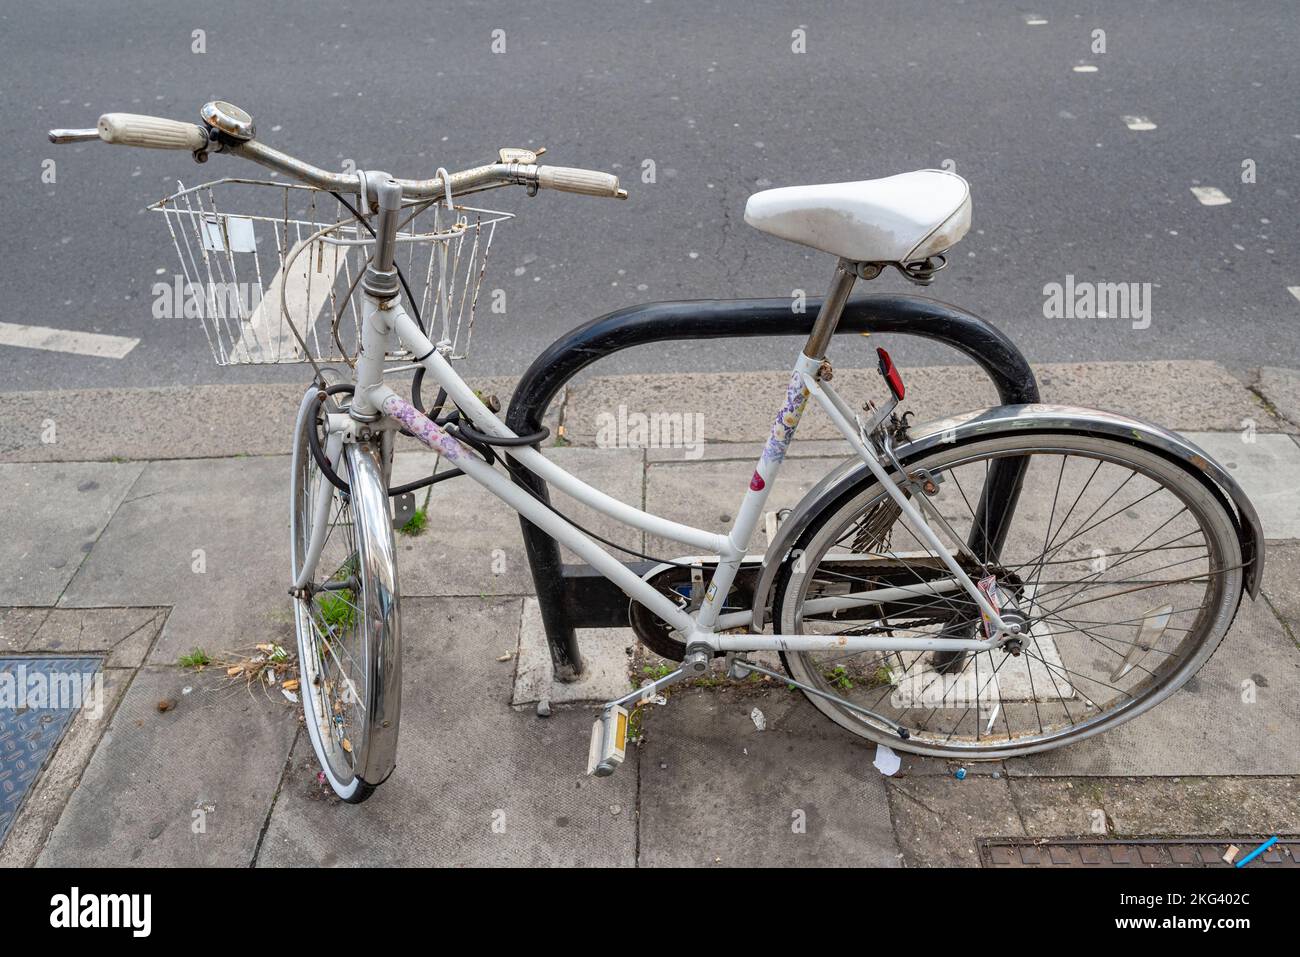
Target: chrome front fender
x,y
1021,418
383,662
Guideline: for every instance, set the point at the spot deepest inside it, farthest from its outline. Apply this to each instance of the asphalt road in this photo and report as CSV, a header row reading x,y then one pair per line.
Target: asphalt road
x,y
714,95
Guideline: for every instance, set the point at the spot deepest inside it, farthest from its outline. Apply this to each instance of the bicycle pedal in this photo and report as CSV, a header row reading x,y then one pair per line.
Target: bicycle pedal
x,y
608,742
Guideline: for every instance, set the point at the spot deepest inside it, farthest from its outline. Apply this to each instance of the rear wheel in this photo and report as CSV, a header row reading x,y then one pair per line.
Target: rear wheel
x,y
1126,568
348,621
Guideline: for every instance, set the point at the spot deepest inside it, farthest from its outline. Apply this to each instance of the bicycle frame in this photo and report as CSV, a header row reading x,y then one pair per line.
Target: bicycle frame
x,y
386,325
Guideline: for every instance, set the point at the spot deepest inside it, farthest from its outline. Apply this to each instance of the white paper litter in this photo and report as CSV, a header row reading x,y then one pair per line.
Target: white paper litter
x,y
290,695
759,719
887,762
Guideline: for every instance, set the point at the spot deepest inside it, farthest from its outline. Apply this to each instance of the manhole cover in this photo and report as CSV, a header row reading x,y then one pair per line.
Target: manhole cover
x,y
38,697
1146,852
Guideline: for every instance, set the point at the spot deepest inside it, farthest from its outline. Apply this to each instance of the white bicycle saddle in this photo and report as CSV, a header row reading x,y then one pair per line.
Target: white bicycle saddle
x,y
900,219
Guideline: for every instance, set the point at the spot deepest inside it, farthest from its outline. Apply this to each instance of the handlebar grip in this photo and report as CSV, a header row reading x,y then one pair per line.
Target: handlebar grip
x,y
154,132
585,181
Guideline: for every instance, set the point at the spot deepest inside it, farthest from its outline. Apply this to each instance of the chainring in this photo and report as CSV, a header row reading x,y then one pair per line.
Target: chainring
x,y
675,583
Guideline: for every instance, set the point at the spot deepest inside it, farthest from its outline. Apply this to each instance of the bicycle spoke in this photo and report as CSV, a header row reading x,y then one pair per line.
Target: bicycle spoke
x,y
1085,630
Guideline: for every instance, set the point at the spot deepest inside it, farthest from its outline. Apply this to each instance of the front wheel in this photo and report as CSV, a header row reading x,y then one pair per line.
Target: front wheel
x,y
1125,568
346,612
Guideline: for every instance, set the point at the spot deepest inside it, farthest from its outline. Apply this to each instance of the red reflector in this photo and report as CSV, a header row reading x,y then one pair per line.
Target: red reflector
x,y
891,375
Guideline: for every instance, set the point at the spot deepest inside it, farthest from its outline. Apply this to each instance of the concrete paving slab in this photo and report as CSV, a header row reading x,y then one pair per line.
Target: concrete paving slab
x,y
750,451
1239,715
740,406
1130,807
190,786
160,423
209,538
176,422
53,516
1180,394
646,663
606,655
735,407
939,819
1267,468
62,773
915,764
1281,585
472,544
18,626
122,635
715,790
1281,387
477,783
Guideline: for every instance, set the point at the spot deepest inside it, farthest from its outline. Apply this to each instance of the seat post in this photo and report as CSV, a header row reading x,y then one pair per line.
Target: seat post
x,y
846,273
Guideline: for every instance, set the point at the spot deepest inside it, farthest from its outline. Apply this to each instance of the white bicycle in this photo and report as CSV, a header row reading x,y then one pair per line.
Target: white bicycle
x,y
995,584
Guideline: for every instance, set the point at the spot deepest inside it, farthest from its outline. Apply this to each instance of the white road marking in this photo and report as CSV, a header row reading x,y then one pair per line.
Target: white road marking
x,y
1294,290
1139,123
1085,68
267,336
66,340
1211,195
1034,20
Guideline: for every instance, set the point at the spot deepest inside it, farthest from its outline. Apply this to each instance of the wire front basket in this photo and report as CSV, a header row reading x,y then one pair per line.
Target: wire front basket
x,y
284,284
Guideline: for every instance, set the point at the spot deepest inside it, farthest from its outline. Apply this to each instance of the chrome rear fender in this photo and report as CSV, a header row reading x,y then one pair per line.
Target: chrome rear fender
x,y
1020,418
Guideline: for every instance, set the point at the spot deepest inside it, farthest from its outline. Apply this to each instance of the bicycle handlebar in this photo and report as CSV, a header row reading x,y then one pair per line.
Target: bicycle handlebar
x,y
153,132
585,181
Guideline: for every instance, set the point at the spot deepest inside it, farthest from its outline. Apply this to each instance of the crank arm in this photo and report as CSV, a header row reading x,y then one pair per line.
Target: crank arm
x,y
647,692
609,731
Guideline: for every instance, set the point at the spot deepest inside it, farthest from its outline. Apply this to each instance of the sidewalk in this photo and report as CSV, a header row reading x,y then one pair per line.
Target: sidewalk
x,y
140,524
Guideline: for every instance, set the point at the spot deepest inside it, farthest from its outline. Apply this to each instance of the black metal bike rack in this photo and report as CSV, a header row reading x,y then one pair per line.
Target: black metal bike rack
x,y
573,596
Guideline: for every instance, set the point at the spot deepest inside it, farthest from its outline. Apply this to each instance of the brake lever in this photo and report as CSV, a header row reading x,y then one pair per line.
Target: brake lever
x,y
517,154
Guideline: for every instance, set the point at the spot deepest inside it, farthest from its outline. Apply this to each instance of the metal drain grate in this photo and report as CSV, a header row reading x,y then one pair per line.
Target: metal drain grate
x,y
1146,852
30,728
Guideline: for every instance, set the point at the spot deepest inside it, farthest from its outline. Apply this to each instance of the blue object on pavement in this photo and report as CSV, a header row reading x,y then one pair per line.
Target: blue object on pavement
x,y
38,699
1257,851
960,774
